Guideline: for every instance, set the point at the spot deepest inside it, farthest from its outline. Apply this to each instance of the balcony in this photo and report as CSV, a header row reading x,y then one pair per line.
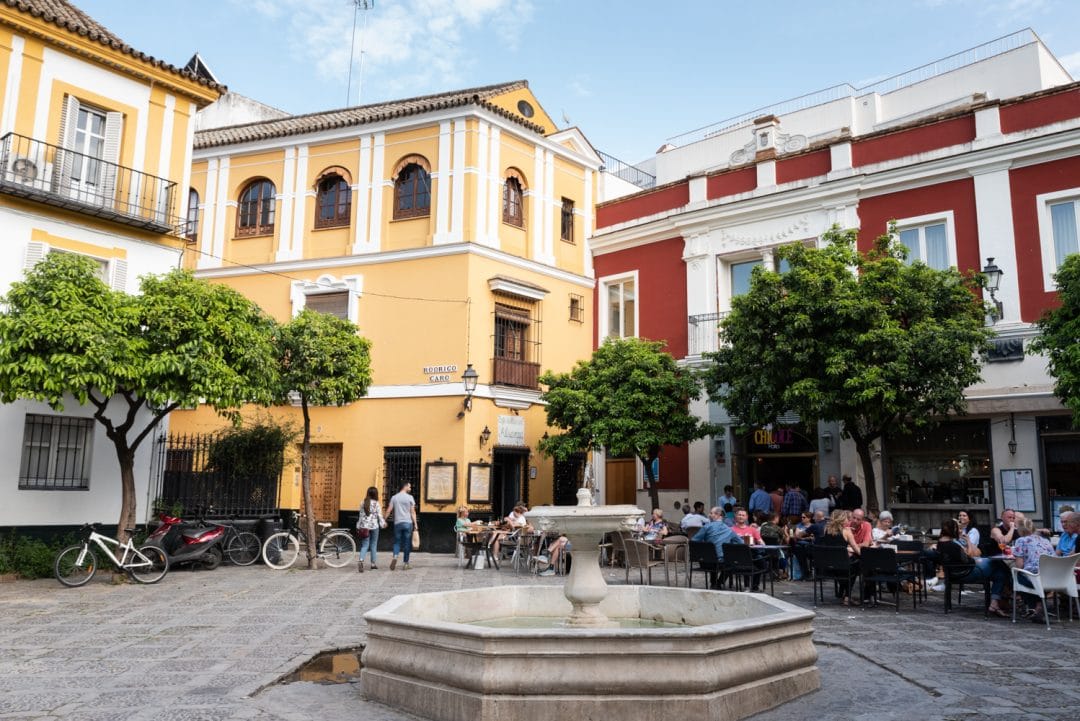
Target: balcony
x,y
703,333
517,373
63,178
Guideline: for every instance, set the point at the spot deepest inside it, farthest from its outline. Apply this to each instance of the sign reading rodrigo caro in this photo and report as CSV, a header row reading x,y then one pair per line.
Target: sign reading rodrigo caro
x,y
440,373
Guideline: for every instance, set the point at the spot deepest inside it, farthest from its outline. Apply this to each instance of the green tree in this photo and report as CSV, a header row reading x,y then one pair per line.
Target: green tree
x,y
133,358
865,339
630,397
1059,330
323,362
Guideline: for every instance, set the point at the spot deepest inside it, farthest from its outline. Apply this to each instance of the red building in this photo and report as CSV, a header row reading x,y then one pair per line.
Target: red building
x,y
979,162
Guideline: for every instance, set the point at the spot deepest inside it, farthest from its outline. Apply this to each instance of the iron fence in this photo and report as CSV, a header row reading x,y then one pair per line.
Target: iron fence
x,y
703,334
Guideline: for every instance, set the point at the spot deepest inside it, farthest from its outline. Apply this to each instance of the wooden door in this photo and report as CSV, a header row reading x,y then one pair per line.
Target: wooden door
x,y
620,481
325,481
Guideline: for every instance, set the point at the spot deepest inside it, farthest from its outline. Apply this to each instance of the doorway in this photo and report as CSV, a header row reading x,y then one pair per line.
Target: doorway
x,y
325,461
620,481
568,478
774,471
508,480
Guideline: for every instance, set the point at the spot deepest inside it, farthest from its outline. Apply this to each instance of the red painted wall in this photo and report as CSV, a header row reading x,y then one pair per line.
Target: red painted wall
x,y
640,205
911,142
675,469
731,182
1025,184
957,196
661,290
807,165
1037,112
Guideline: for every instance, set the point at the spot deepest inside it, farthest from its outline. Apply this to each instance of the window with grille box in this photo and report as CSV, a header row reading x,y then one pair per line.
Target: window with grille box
x,y
336,303
56,453
567,216
577,308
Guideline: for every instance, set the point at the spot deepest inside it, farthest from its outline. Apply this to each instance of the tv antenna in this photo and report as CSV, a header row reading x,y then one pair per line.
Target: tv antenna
x,y
358,7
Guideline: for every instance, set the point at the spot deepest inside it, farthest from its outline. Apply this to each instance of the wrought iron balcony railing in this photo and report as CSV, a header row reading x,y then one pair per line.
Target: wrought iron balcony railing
x,y
703,333
63,178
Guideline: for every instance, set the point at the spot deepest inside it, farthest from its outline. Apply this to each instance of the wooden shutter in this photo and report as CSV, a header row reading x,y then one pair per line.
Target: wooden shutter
x,y
69,120
114,123
336,304
119,275
35,253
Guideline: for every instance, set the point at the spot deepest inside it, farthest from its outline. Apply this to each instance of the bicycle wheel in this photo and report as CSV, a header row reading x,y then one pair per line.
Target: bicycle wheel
x,y
337,548
148,565
75,566
243,549
281,550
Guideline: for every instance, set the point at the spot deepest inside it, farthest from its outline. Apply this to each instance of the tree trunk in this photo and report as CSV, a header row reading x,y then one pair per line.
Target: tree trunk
x,y
866,457
305,485
650,482
126,457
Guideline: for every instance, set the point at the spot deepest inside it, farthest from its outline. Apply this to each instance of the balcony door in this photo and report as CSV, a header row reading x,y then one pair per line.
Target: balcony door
x,y
89,153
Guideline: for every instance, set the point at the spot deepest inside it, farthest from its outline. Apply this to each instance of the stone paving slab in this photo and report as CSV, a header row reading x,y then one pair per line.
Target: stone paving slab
x,y
214,644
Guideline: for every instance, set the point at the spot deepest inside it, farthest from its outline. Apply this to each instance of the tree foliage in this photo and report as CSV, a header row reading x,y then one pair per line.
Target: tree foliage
x,y
630,397
324,362
866,339
1059,337
180,342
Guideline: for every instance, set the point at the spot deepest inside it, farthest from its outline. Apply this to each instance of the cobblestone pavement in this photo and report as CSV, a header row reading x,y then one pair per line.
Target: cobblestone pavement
x,y
213,645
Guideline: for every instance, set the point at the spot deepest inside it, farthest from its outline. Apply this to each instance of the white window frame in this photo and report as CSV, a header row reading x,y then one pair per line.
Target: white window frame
x,y
921,221
114,270
84,445
1043,201
354,284
604,283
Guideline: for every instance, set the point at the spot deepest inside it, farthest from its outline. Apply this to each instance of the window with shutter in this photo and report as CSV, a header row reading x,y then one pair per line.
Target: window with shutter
x,y
336,303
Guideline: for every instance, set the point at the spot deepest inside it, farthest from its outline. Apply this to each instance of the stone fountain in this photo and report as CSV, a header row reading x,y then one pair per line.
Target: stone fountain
x,y
587,651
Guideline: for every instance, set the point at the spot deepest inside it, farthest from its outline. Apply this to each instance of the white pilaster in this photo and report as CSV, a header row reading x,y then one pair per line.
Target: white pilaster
x,y
300,192
221,214
443,173
363,199
840,160
698,187
378,183
457,203
11,86
987,127
537,205
208,238
993,212
587,221
285,207
554,206
185,178
766,174
494,188
481,232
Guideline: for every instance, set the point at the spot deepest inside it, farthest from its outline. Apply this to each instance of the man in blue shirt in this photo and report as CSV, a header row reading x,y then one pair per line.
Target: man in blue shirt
x,y
717,533
1070,523
728,497
759,500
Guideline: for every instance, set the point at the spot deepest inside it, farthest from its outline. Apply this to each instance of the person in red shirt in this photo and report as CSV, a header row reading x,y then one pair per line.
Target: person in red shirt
x,y
742,529
861,529
776,495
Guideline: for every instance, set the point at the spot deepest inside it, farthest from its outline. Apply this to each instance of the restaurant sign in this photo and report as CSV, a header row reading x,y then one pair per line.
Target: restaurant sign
x,y
511,431
774,438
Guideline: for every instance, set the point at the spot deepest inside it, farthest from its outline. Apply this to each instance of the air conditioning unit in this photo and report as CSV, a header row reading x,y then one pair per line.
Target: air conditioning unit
x,y
22,170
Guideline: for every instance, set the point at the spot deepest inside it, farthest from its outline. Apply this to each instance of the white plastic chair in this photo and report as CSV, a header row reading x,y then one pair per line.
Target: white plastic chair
x,y
1055,574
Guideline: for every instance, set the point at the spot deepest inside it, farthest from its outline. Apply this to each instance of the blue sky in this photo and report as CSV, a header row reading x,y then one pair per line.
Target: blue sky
x,y
629,73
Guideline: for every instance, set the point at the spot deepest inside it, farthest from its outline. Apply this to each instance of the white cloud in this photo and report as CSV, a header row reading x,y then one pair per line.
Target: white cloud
x,y
1071,63
412,45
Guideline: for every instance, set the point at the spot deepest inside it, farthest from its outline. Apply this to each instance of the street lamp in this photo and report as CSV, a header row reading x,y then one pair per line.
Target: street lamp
x,y
993,275
485,436
469,378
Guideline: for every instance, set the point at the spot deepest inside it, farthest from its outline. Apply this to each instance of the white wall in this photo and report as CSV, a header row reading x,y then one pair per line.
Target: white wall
x,y
234,109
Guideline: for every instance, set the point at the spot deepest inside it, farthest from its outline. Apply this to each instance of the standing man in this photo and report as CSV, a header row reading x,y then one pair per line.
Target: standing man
x,y
403,509
851,496
794,502
832,492
728,497
759,499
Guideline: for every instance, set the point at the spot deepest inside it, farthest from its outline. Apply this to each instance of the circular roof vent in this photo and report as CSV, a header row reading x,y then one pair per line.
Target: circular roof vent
x,y
525,108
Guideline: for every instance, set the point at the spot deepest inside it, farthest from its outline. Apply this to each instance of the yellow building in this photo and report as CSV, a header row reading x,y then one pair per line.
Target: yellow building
x,y
95,145
451,230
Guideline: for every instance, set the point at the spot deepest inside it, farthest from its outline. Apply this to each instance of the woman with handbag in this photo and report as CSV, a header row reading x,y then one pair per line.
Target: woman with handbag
x,y
368,525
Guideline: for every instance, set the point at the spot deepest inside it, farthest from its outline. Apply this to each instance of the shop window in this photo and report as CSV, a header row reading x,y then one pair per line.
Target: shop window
x,y
255,215
566,215
950,464
1059,221
333,202
56,453
619,296
412,192
191,224
929,239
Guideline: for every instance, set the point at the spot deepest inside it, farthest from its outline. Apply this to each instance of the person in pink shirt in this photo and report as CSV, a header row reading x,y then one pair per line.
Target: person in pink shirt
x,y
742,529
861,529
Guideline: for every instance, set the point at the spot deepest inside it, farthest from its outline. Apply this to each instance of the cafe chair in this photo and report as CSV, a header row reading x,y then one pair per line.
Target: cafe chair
x,y
675,551
639,556
1055,574
703,554
834,563
882,565
959,576
739,563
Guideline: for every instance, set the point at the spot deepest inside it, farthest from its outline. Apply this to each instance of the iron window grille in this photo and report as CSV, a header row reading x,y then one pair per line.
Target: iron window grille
x,y
567,215
56,453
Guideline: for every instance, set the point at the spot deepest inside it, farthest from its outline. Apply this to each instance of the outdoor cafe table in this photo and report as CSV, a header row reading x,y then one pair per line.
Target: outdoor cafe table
x,y
476,542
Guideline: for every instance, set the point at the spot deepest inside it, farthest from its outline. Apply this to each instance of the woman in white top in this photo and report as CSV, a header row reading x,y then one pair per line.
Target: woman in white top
x,y
883,531
969,534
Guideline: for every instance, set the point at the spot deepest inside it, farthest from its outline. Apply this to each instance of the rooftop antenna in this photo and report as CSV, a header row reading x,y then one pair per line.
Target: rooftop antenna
x,y
358,5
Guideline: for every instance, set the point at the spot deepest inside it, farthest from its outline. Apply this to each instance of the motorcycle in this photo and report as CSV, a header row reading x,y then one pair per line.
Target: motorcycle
x,y
186,543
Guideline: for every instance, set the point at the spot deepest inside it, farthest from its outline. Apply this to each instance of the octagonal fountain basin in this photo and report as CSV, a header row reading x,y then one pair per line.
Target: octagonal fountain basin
x,y
506,654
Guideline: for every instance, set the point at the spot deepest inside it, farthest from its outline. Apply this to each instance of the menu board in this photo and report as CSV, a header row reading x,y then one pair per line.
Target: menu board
x,y
441,486
1018,489
479,483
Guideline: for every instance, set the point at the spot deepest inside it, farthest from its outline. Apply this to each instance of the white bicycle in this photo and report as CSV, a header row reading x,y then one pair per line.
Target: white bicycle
x,y
76,565
335,546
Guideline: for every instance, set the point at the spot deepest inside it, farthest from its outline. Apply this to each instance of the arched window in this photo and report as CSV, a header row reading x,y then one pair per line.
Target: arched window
x,y
191,227
333,202
412,192
256,212
513,202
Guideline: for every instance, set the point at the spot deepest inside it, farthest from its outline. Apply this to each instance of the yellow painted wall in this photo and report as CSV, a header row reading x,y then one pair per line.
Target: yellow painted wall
x,y
509,101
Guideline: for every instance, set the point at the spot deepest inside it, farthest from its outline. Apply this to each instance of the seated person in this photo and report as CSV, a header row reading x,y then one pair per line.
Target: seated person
x,y
655,528
463,524
729,514
772,532
744,530
1026,550
691,522
951,552
883,531
1070,523
514,522
716,532
559,546
860,528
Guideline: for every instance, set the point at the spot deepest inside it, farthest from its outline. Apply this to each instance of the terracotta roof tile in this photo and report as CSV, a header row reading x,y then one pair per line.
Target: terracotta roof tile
x,y
65,15
361,115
